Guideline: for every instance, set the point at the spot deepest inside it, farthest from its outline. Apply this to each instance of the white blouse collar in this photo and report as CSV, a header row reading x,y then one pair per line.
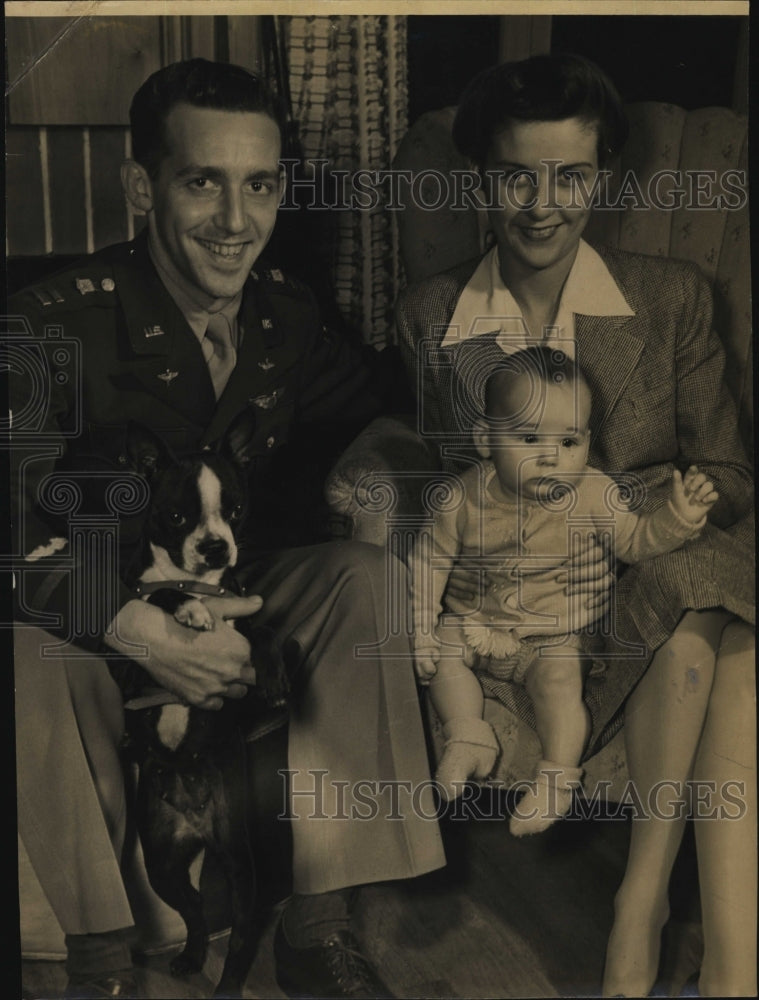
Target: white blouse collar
x,y
487,306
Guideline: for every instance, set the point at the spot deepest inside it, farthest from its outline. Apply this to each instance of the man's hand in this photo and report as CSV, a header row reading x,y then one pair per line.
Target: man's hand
x,y
586,576
202,667
693,495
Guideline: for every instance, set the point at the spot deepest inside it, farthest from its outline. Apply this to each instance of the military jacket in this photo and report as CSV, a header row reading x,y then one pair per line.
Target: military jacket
x,y
103,343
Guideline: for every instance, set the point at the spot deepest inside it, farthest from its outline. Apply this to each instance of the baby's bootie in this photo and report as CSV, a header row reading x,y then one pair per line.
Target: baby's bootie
x,y
470,752
548,798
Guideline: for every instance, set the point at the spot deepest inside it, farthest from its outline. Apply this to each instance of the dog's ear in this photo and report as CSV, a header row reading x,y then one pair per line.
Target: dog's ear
x,y
147,452
237,442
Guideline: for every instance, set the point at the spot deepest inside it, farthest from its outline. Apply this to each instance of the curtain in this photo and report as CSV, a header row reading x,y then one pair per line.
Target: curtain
x,y
348,87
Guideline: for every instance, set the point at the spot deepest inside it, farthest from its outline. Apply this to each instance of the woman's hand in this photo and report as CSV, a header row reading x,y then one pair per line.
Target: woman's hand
x,y
202,667
467,585
586,576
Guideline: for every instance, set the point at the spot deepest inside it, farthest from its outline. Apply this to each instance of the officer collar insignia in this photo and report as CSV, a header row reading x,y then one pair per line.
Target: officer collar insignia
x,y
153,331
85,285
168,376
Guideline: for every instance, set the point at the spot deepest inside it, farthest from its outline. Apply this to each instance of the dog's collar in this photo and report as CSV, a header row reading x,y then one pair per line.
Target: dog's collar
x,y
185,586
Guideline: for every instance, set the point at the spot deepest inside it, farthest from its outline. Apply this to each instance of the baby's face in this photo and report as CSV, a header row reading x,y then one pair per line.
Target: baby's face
x,y
545,445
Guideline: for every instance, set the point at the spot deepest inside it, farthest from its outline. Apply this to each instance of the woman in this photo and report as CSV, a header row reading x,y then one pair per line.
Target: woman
x,y
680,665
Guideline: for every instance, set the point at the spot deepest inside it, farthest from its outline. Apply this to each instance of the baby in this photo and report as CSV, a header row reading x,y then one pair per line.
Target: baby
x,y
526,507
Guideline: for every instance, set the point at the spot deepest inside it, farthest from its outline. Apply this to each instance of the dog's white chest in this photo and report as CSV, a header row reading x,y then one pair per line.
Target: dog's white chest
x,y
172,725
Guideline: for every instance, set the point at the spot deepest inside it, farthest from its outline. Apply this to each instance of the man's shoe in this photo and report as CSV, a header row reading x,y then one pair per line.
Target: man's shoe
x,y
122,985
336,967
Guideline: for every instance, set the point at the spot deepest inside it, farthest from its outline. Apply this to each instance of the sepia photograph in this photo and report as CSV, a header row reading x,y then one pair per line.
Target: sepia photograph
x,y
381,541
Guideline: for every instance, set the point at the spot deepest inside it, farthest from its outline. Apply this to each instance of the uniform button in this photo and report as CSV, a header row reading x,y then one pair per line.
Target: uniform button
x,y
108,284
270,441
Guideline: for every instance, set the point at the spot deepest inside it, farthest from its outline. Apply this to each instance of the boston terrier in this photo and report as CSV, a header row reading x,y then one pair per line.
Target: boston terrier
x,y
191,761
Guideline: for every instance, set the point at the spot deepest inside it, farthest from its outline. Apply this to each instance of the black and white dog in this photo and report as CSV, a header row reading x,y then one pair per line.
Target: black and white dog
x,y
191,786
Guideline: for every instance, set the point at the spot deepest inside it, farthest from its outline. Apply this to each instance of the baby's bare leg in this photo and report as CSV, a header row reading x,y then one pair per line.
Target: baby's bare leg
x,y
455,691
470,744
555,687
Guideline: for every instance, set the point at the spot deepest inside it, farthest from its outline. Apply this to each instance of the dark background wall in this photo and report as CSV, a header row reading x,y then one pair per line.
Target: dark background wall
x,y
686,60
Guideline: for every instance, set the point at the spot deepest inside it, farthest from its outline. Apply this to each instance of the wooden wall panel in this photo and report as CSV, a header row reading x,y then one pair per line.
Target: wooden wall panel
x,y
25,205
523,36
244,42
67,190
109,214
78,71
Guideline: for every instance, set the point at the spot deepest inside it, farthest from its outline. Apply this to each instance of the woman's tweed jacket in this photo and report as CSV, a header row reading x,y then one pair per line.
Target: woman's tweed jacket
x,y
659,401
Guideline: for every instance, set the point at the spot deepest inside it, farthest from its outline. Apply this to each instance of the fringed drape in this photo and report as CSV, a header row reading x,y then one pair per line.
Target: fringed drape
x,y
348,84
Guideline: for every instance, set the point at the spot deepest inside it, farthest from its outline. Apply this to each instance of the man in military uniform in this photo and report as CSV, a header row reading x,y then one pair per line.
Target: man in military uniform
x,y
183,331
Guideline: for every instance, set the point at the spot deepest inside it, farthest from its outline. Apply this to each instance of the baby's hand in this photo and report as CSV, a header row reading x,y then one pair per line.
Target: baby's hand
x,y
693,495
425,664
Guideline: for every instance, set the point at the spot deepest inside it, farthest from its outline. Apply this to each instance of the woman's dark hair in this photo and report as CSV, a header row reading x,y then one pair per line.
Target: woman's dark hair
x,y
543,88
203,84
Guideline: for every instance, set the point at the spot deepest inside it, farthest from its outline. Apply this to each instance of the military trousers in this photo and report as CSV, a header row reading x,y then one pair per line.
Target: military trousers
x,y
360,798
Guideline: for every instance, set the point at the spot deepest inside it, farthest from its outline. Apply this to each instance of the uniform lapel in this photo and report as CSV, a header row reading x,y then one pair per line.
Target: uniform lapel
x,y
608,349
165,355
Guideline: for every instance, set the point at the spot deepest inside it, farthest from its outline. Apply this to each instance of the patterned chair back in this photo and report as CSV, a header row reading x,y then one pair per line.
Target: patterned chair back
x,y
700,145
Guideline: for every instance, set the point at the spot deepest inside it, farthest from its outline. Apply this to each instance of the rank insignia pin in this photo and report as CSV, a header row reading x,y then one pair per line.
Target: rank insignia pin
x,y
84,285
265,365
267,324
153,331
168,376
267,401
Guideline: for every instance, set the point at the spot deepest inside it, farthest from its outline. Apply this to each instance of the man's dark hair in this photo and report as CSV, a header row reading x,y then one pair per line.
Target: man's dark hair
x,y
543,365
198,82
542,88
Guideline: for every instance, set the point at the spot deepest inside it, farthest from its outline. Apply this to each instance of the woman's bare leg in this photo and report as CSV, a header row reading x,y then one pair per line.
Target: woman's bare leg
x,y
726,847
664,720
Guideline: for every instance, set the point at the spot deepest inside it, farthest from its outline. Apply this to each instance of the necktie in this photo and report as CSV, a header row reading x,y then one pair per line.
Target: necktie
x,y
219,351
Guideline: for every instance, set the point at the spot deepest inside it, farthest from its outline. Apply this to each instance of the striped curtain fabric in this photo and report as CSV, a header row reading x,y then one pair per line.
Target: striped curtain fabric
x,y
348,83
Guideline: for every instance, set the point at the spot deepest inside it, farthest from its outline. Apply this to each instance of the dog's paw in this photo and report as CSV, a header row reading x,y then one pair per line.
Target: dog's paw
x,y
194,614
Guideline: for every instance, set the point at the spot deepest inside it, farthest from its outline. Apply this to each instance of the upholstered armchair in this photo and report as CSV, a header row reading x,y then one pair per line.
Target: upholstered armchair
x,y
383,482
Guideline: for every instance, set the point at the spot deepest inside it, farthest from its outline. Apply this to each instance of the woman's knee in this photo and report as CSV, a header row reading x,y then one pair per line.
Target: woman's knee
x,y
689,655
